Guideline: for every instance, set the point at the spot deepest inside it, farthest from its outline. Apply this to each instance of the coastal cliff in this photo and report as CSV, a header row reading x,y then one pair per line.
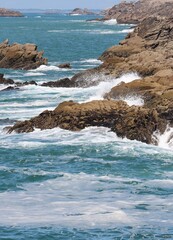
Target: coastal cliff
x,y
20,56
146,51
136,11
9,13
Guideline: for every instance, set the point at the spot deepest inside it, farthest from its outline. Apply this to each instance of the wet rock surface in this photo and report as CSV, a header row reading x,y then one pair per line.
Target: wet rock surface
x,y
131,122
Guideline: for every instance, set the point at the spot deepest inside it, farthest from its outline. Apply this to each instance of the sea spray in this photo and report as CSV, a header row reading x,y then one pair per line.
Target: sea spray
x,y
164,140
107,83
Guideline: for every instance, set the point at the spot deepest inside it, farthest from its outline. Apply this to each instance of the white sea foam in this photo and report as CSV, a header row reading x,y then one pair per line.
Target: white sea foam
x,y
91,60
164,140
85,201
30,74
126,30
110,22
70,200
108,82
133,100
75,14
45,68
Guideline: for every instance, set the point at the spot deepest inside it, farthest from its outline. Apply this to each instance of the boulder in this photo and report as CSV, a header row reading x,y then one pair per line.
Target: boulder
x,y
20,56
65,82
64,65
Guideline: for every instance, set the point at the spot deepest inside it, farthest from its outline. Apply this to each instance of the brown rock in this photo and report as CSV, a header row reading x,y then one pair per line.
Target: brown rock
x,y
131,122
64,65
65,82
18,56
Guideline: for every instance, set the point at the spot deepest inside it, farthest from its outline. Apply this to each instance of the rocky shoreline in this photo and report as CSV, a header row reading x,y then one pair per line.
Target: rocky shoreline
x,y
146,51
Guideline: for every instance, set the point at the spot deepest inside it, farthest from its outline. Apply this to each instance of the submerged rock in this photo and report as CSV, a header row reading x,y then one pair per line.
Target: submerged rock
x,y
20,56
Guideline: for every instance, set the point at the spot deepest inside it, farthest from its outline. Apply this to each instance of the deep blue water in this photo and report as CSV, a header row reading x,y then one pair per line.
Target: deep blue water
x,y
57,184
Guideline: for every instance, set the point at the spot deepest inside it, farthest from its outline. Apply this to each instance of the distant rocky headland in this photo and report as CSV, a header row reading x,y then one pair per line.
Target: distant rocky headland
x,y
20,56
80,11
136,11
9,13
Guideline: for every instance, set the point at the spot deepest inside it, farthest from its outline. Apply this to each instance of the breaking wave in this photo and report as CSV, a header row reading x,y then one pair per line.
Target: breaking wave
x,y
110,22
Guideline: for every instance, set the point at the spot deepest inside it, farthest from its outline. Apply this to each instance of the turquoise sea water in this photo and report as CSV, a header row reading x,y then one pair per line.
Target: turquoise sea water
x,y
57,184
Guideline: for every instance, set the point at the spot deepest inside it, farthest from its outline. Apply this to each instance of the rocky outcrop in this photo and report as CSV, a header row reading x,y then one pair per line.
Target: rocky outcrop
x,y
147,50
80,11
132,122
20,56
136,11
9,13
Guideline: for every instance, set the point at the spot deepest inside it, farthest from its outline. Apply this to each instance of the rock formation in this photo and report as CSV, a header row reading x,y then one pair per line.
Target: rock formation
x,y
64,65
136,11
20,56
79,11
132,122
9,13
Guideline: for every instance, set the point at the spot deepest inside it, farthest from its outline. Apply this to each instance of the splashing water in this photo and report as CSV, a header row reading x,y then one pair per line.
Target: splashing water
x,y
164,140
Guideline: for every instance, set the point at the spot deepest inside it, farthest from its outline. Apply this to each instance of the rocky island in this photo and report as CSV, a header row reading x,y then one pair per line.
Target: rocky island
x,y
20,56
9,13
146,51
80,11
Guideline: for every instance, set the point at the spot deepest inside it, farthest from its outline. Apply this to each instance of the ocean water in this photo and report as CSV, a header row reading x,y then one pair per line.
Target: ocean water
x,y
87,185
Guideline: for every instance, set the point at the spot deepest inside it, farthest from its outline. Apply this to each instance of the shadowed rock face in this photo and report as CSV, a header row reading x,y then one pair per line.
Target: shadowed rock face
x,y
20,56
135,12
131,122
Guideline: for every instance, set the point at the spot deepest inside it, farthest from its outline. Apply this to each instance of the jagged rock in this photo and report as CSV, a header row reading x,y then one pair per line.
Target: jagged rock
x,y
64,65
131,122
9,13
4,80
20,56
